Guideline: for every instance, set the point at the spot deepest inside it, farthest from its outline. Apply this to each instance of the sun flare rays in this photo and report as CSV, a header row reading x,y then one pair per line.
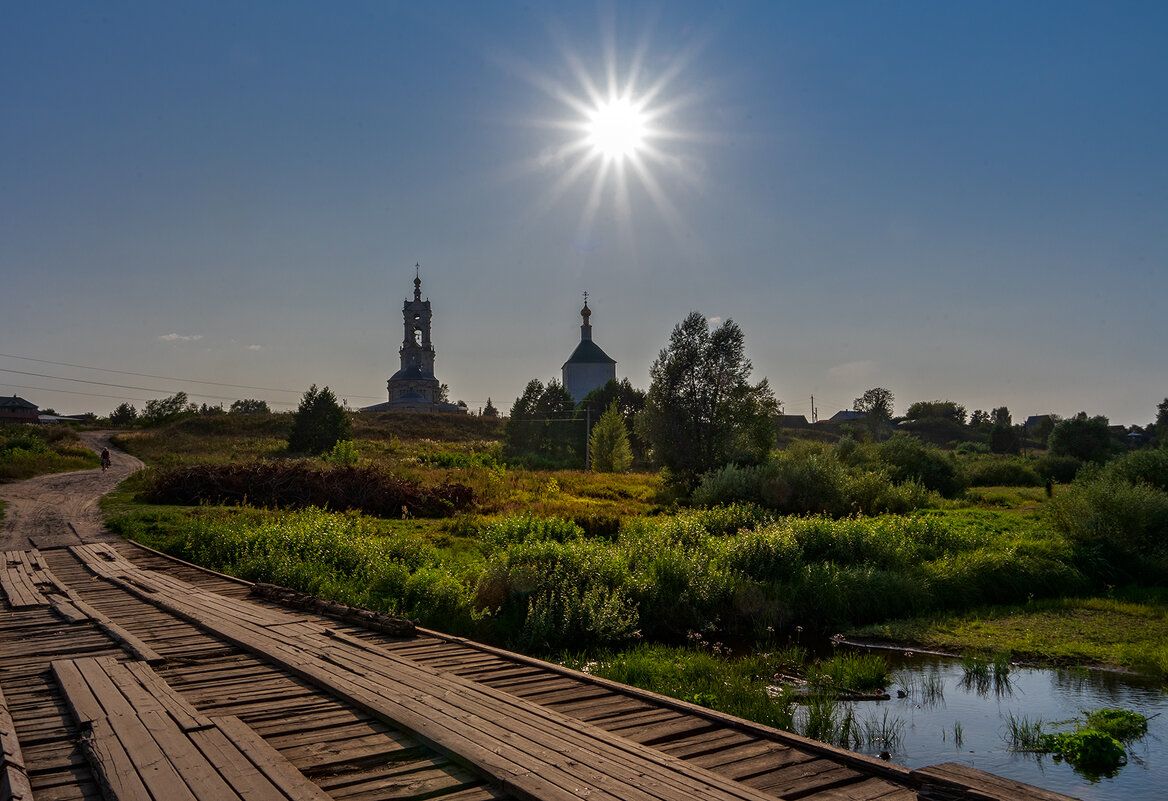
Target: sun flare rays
x,y
620,131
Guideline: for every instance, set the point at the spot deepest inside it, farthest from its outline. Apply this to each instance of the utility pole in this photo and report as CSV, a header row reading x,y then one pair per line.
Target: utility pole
x,y
814,418
587,432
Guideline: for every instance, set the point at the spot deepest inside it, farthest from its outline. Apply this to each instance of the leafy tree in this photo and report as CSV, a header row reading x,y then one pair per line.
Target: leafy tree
x,y
629,402
979,418
876,404
212,411
543,422
249,406
563,436
165,410
1005,439
125,414
701,412
1001,416
609,442
524,431
940,422
319,423
1162,421
938,409
489,410
1042,430
1086,438
443,393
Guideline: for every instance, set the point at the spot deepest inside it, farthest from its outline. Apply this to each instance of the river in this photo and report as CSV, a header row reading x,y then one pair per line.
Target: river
x,y
946,718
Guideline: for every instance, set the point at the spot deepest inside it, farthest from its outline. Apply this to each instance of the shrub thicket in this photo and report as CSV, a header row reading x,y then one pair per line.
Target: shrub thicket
x,y
1060,469
909,459
300,484
1001,472
814,479
543,584
31,450
1119,527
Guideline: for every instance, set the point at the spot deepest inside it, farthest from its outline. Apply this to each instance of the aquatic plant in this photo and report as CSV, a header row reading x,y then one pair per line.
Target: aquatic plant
x,y
1094,748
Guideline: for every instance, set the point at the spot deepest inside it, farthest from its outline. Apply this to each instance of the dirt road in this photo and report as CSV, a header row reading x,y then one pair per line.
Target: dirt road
x,y
61,509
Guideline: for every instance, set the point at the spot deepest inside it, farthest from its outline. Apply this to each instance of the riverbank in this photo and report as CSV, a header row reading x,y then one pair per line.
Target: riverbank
x,y
1127,629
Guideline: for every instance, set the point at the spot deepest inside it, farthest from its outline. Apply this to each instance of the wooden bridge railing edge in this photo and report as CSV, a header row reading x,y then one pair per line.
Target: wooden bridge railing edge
x,y
867,763
918,778
870,764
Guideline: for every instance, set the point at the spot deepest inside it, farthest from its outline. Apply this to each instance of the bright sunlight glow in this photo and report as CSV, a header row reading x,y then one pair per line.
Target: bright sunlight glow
x,y
621,134
616,129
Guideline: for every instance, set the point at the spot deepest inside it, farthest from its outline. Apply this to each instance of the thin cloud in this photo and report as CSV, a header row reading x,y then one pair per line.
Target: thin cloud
x,y
255,347
172,337
853,369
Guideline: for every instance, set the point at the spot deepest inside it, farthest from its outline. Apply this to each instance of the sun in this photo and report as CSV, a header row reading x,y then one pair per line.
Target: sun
x,y
617,129
624,138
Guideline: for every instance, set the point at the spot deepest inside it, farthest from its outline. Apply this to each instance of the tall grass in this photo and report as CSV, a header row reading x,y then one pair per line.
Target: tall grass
x,y
849,672
545,584
734,686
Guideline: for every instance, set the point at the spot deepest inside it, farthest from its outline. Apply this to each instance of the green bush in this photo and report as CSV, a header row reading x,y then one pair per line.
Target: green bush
x,y
1060,469
968,448
513,529
550,595
814,479
319,423
1142,467
1118,526
1001,473
909,459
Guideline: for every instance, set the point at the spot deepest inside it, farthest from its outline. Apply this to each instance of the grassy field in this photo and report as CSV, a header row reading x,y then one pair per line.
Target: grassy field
x,y
607,573
606,565
1109,631
32,450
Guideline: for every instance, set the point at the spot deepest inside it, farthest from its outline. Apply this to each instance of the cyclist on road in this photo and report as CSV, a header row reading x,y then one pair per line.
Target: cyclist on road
x,y
105,459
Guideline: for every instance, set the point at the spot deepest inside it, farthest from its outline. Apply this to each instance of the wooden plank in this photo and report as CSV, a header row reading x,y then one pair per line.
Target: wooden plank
x,y
219,751
185,758
804,778
987,785
549,737
136,679
112,765
866,790
17,583
154,730
14,783
82,700
707,743
269,762
296,660
67,610
750,759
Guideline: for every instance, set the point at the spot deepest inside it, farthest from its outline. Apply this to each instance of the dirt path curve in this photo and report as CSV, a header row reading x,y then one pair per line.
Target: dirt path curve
x,y
61,509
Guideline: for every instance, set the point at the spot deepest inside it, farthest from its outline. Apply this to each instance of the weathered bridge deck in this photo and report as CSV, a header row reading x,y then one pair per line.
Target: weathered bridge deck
x,y
128,675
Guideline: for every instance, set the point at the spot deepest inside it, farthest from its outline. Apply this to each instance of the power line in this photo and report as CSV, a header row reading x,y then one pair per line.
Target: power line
x,y
140,375
121,397
150,375
100,383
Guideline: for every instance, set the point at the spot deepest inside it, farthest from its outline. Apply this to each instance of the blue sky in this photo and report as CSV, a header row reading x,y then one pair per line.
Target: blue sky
x,y
962,201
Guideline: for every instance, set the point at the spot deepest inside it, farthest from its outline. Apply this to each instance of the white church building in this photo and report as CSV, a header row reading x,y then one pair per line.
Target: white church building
x,y
588,367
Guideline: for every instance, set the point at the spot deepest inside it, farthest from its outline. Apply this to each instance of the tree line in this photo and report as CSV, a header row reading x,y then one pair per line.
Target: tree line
x,y
702,412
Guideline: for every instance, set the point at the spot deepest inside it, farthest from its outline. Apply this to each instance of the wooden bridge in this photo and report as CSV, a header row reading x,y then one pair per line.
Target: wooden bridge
x,y
129,675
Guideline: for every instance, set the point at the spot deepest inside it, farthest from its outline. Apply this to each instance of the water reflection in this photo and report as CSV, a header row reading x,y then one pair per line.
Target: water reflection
x,y
954,714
